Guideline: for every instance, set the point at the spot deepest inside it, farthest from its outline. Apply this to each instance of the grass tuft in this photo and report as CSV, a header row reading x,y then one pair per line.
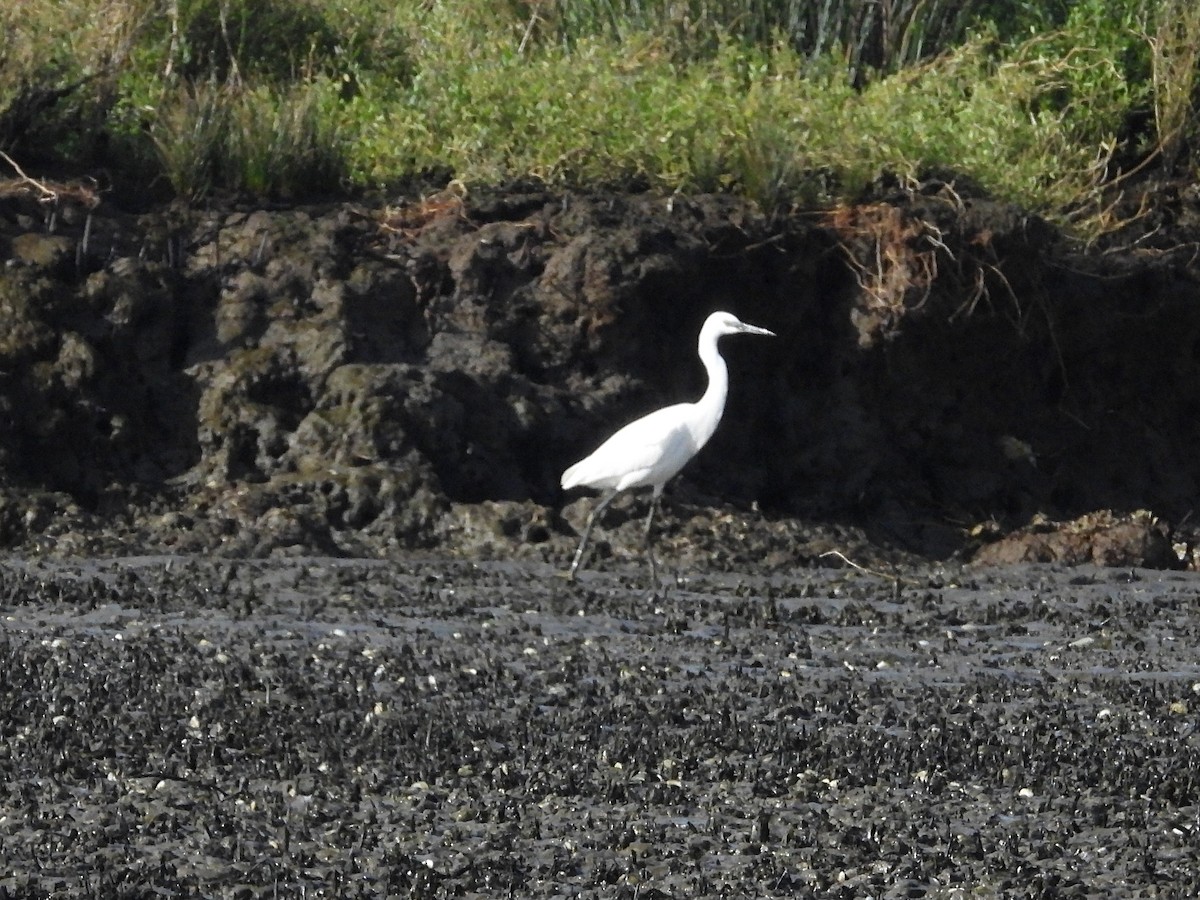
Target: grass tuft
x,y
1175,72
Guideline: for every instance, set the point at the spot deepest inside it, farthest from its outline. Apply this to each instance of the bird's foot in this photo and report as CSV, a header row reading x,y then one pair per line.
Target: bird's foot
x,y
659,590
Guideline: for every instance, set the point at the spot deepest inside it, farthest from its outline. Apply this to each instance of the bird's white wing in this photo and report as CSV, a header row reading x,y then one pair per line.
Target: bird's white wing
x,y
647,451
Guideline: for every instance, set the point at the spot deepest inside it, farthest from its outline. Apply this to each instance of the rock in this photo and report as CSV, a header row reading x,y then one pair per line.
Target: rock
x,y
43,251
1101,538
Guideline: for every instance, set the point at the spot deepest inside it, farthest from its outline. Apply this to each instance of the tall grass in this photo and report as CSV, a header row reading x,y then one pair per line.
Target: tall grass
x,y
764,121
1175,66
278,142
868,36
786,101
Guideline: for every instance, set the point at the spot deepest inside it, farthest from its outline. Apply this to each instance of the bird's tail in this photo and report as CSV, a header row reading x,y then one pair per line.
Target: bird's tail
x,y
572,477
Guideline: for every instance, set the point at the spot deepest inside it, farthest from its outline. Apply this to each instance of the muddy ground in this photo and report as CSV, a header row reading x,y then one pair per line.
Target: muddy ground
x,y
338,728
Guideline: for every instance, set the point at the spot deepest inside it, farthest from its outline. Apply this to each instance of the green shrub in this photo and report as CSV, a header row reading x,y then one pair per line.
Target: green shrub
x,y
243,95
271,41
55,93
764,121
786,101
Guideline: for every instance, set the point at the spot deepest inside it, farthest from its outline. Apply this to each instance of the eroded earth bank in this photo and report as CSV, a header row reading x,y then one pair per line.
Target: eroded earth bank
x,y
365,380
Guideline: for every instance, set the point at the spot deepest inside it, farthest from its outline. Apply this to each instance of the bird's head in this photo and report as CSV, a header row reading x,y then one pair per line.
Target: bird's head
x,y
720,324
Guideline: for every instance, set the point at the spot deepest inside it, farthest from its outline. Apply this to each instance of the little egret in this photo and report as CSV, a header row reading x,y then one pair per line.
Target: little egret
x,y
650,451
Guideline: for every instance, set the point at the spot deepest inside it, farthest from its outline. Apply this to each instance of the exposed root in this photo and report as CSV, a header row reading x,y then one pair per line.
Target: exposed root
x,y
895,579
47,192
894,259
408,219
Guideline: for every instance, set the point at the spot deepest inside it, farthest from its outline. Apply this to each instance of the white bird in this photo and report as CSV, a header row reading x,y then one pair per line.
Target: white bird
x,y
650,451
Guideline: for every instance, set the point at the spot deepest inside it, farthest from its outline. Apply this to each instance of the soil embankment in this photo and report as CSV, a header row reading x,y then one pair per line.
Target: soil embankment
x,y
355,380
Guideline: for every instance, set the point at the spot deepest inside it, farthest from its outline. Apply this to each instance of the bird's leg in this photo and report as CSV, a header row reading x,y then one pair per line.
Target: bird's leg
x,y
649,545
587,531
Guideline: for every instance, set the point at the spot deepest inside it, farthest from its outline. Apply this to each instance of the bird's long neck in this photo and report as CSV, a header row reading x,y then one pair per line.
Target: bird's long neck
x,y
712,404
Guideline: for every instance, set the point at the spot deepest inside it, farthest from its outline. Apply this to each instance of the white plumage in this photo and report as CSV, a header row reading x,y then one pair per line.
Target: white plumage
x,y
650,451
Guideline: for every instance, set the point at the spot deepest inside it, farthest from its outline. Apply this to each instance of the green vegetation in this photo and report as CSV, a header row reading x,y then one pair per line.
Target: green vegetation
x,y
788,101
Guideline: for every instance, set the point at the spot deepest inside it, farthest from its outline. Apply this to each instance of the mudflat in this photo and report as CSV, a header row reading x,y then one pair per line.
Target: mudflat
x,y
440,728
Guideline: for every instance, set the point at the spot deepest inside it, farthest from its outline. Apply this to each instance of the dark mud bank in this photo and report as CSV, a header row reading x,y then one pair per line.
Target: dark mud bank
x,y
355,380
